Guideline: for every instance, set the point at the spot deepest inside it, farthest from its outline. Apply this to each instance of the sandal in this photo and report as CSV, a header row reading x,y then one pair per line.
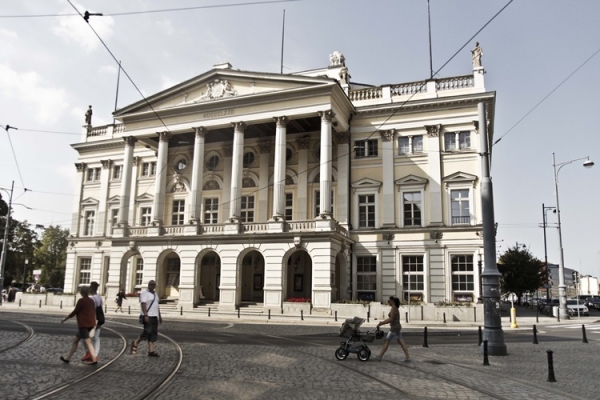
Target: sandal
x,y
153,354
64,360
92,361
133,348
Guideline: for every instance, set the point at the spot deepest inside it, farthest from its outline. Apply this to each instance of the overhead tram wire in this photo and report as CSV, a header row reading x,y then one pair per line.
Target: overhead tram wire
x,y
253,3
548,95
14,154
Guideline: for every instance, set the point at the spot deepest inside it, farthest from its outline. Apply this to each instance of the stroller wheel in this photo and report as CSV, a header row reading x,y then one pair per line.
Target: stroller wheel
x,y
364,354
341,353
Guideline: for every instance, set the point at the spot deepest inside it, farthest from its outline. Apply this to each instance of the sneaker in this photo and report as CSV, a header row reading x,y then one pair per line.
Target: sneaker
x,y
407,360
87,356
153,354
376,358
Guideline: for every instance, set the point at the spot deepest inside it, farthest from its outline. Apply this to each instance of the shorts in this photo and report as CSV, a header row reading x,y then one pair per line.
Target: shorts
x,y
393,335
150,330
84,333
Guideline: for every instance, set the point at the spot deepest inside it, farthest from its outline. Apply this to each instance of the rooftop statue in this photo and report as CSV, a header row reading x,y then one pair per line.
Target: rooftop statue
x,y
344,76
476,54
337,58
88,116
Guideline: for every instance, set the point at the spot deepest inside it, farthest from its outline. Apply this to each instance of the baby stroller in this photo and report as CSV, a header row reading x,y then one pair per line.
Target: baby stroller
x,y
356,340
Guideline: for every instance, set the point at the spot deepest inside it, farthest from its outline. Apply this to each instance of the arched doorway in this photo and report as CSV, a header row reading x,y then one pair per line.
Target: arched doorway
x,y
252,277
339,279
167,283
208,277
132,273
298,280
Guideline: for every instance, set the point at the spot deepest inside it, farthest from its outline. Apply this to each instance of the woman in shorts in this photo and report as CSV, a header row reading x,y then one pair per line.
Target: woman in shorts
x,y
85,310
394,333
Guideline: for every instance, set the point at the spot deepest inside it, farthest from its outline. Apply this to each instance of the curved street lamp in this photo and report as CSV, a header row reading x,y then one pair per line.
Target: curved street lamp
x,y
561,266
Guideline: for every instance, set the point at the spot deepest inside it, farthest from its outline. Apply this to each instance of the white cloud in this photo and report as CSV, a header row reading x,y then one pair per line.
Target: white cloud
x,y
75,29
49,102
108,69
167,82
8,34
165,26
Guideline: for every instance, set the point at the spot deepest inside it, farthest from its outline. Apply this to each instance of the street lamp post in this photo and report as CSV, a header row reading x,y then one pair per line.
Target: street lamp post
x,y
561,266
544,209
24,271
5,241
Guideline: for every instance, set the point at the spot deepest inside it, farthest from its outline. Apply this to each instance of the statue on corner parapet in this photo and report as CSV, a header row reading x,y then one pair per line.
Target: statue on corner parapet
x,y
88,116
476,54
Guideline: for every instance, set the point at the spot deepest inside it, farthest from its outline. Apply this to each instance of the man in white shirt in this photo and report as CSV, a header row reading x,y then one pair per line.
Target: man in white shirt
x,y
151,316
99,319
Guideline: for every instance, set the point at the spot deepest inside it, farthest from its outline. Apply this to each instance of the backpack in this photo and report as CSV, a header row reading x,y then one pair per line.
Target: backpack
x,y
100,315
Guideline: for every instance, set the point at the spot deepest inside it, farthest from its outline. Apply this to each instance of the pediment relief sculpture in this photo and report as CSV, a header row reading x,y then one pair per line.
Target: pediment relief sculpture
x,y
337,58
217,89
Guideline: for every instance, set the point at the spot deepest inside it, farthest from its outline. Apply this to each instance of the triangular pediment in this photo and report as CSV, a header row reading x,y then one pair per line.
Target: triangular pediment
x,y
460,177
366,183
412,180
90,201
222,84
114,200
144,198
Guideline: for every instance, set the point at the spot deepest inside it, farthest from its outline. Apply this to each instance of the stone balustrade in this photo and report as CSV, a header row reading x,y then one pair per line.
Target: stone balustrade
x,y
256,227
455,83
365,94
301,226
173,230
138,231
105,131
408,89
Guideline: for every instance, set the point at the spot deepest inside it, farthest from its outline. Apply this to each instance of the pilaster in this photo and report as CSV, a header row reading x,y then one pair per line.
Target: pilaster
x,y
388,220
262,214
435,174
302,200
77,199
101,220
126,181
158,209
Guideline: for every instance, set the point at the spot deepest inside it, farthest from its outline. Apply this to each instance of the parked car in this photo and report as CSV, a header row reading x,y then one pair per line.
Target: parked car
x,y
576,307
592,302
552,303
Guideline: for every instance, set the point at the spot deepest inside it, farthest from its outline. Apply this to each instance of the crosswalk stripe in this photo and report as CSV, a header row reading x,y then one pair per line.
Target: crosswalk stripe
x,y
590,327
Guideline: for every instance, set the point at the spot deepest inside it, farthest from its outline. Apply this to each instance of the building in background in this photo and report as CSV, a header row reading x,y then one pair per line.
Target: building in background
x,y
238,186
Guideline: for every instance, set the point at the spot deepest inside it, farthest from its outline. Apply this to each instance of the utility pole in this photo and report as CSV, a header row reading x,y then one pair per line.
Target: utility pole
x,y
5,241
490,277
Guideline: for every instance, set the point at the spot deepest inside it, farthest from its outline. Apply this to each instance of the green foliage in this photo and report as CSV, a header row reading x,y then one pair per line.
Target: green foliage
x,y
448,303
521,272
51,256
22,242
364,303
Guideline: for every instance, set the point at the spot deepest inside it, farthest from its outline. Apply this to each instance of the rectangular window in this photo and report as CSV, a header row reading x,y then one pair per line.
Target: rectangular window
x,y
464,140
289,206
410,144
149,168
460,207
89,223
366,211
85,270
450,141
117,171
413,277
173,269
417,144
92,174
404,145
178,214
318,203
365,148
366,277
211,211
139,272
247,211
412,208
462,273
114,218
146,216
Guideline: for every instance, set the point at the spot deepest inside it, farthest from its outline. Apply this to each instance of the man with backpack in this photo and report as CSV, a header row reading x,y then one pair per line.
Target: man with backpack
x,y
99,319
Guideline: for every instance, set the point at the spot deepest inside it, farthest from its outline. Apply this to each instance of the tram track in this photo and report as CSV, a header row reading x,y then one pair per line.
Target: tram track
x,y
28,338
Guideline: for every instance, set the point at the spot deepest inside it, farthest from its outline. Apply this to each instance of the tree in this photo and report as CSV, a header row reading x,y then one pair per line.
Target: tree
x,y
521,272
51,256
22,242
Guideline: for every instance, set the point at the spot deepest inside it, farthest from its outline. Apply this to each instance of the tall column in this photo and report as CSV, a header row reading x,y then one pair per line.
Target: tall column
x,y
77,199
197,168
325,170
343,167
134,191
101,220
279,172
158,209
262,214
435,174
302,202
236,171
126,181
387,137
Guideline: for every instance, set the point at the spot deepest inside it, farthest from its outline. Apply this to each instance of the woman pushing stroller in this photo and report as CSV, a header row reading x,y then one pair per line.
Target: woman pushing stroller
x,y
394,333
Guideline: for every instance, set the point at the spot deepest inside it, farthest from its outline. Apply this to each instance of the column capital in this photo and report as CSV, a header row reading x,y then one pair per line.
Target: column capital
x,y
476,125
239,126
303,142
106,163
129,140
341,137
388,135
326,115
80,166
281,121
433,130
164,136
264,147
200,131
136,160
228,150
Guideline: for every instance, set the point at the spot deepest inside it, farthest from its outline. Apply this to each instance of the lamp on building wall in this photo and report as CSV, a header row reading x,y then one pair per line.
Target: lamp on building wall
x,y
561,266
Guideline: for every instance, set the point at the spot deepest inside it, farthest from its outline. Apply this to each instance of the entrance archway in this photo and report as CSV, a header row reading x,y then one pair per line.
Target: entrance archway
x,y
208,277
131,274
339,280
167,283
298,280
252,277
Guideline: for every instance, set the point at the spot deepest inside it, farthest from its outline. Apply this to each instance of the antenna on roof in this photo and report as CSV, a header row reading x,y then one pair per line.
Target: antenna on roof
x,y
430,56
282,40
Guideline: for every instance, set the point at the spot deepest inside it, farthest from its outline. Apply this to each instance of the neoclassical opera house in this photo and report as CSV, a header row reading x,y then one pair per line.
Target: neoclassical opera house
x,y
242,187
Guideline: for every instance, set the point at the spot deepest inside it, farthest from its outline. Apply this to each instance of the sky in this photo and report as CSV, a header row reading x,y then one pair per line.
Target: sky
x,y
52,68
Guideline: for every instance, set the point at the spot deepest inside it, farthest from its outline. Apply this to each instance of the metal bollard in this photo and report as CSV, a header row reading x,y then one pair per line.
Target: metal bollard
x,y
406,317
19,302
485,353
181,310
535,341
444,317
480,337
558,315
584,335
105,308
209,311
302,315
425,337
129,310
551,377
537,315
40,304
269,313
238,312
368,315
336,316
61,304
